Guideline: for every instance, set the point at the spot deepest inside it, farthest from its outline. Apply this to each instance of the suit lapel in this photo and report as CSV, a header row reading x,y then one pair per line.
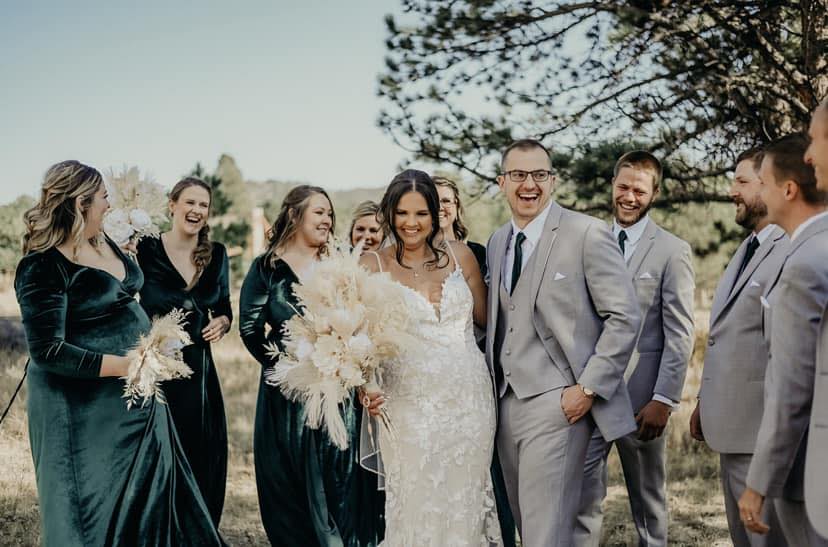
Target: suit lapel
x,y
761,252
544,249
644,246
500,240
725,284
817,226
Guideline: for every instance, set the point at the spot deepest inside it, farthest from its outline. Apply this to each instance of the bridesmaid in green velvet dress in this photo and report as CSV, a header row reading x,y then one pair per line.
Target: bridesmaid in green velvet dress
x,y
105,475
310,492
184,269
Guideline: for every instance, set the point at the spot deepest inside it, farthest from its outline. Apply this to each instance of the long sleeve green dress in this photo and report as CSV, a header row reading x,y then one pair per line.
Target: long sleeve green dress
x,y
105,475
196,403
310,492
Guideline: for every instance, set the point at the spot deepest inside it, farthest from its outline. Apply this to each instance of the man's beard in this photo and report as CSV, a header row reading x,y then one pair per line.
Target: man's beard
x,y
641,212
753,213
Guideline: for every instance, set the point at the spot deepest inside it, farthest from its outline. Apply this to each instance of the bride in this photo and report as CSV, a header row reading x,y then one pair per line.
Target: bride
x,y
439,399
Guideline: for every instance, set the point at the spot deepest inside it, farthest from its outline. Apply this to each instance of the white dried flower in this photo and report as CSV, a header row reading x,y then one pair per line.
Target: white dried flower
x,y
139,219
117,229
360,345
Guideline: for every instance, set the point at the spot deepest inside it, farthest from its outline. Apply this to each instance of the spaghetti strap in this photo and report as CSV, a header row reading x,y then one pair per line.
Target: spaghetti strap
x,y
453,257
379,262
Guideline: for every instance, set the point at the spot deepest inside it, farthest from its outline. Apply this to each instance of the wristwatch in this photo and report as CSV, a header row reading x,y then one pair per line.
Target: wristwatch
x,y
586,391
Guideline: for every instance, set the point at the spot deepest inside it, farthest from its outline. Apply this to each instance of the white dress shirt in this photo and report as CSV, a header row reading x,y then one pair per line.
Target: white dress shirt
x,y
634,234
801,227
533,232
764,233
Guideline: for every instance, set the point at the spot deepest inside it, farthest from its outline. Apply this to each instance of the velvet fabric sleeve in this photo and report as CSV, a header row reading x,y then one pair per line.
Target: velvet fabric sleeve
x,y
41,284
255,294
222,306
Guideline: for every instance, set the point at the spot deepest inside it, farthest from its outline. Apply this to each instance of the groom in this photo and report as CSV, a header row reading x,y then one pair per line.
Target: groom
x,y
562,325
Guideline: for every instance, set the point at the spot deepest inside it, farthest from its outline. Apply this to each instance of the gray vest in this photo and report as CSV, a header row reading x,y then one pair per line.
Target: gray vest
x,y
521,361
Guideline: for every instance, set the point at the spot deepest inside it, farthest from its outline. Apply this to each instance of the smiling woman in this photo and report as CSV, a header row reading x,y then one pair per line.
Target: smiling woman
x,y
183,269
310,492
106,475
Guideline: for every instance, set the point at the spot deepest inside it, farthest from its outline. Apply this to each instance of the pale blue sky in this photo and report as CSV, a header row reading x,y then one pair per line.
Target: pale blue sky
x,y
287,88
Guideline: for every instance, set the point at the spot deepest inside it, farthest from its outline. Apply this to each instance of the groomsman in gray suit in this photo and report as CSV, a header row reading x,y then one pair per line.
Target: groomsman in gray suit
x,y
795,304
662,272
731,398
816,485
562,325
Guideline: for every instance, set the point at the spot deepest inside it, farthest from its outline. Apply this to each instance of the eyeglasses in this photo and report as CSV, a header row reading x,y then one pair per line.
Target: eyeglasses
x,y
518,175
447,202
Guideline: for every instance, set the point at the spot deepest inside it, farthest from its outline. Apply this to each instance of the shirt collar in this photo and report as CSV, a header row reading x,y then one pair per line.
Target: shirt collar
x,y
764,233
801,227
634,232
534,229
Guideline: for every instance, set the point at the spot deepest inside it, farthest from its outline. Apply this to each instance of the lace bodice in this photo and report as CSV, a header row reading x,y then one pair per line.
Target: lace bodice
x,y
440,400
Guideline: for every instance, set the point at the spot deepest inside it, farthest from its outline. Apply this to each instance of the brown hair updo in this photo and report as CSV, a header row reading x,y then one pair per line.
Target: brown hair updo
x,y
203,252
290,215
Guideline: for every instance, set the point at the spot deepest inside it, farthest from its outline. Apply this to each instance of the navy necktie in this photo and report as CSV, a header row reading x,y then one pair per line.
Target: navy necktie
x,y
622,239
752,245
518,263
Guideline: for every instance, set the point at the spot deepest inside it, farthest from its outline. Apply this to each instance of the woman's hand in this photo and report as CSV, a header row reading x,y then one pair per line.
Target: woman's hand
x,y
130,247
215,329
114,365
372,401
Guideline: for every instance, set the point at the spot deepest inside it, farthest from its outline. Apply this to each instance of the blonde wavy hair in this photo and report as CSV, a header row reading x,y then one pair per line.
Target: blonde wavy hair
x,y
290,216
58,216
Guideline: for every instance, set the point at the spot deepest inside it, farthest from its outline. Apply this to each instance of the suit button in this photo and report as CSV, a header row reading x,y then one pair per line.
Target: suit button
x,y
511,307
511,329
508,373
711,342
508,352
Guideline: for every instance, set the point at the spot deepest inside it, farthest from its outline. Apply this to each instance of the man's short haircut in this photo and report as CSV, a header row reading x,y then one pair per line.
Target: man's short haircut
x,y
823,108
787,157
641,160
524,144
754,153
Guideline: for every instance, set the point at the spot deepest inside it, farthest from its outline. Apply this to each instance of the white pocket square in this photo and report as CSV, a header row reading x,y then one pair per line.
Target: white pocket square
x,y
645,275
559,276
754,284
764,301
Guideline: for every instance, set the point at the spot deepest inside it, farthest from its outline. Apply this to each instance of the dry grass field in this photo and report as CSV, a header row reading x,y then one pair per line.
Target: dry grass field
x,y
696,510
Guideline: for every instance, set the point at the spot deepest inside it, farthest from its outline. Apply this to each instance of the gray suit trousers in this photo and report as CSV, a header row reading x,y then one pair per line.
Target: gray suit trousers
x,y
734,468
795,524
644,473
542,457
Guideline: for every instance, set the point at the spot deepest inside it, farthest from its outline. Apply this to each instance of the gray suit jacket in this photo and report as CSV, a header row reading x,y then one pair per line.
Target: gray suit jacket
x,y
816,480
584,309
796,304
733,381
662,273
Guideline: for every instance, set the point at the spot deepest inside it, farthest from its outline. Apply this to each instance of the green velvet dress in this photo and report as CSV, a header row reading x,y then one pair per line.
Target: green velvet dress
x,y
105,475
196,403
310,492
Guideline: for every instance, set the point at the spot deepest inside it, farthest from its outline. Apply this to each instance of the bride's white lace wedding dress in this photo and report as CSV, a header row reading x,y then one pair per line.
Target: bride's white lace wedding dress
x,y
441,403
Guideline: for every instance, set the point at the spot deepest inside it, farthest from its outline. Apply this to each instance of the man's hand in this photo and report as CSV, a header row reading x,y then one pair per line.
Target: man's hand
x,y
575,403
695,424
652,419
750,510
